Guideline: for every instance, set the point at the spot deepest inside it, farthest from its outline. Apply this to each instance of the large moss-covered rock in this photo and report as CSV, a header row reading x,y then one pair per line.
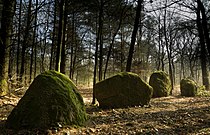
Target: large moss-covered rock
x,y
188,87
51,100
161,84
123,90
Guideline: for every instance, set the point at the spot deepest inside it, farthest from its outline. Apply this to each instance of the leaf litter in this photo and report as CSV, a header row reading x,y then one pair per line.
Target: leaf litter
x,y
166,115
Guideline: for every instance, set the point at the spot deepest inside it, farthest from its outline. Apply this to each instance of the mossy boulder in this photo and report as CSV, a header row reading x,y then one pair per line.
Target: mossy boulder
x,y
123,90
51,100
161,84
188,87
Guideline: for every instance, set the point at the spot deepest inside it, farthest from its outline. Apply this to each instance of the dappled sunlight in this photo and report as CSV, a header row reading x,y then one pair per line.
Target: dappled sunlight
x,y
173,114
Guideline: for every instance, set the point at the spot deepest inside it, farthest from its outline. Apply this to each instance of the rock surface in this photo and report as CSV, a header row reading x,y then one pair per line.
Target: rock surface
x,y
51,100
161,84
123,90
188,87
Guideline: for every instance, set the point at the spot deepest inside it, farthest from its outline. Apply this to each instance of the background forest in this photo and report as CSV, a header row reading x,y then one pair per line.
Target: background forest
x,y
90,40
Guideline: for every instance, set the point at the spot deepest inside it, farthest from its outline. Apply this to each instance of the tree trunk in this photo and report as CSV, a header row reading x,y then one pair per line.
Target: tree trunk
x,y
112,43
122,51
53,38
25,41
168,50
73,44
133,37
18,44
63,50
74,59
45,42
33,44
99,41
11,61
100,34
95,67
5,36
203,54
159,44
60,35
205,26
35,59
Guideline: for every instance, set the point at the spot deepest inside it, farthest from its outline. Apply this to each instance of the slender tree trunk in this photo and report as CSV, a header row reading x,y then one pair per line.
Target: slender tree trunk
x,y
159,44
203,54
133,37
74,59
35,58
53,37
122,51
11,59
100,29
111,45
60,35
5,37
45,42
33,44
95,67
182,70
73,44
42,67
191,69
99,41
162,59
63,52
18,44
71,62
168,50
25,41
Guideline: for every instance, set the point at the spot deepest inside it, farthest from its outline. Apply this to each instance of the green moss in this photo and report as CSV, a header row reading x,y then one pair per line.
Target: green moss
x,y
123,90
161,84
3,87
202,92
51,100
188,87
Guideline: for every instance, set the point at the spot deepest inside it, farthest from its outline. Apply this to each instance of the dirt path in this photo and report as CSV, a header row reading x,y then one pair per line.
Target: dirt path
x,y
168,115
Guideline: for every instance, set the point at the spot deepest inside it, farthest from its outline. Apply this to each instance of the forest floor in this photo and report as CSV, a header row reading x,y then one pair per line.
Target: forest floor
x,y
167,115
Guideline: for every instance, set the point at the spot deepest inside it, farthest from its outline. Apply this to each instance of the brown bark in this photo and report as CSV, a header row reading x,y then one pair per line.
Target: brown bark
x,y
63,50
18,46
204,25
33,44
25,41
203,53
112,43
100,34
168,50
5,36
53,38
133,37
60,34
